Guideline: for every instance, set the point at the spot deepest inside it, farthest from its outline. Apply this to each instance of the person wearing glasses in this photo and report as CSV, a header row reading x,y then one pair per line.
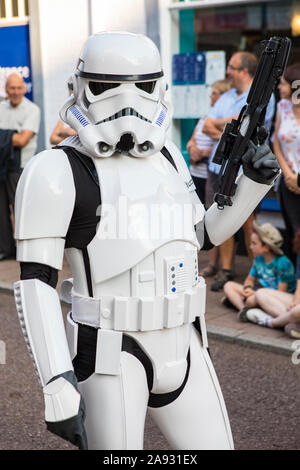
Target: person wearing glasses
x,y
240,73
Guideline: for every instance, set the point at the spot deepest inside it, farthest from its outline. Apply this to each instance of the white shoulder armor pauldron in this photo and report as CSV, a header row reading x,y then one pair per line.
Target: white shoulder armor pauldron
x,y
45,197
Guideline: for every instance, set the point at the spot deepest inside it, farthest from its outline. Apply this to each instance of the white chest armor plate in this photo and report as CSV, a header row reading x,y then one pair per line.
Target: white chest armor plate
x,y
143,259
144,205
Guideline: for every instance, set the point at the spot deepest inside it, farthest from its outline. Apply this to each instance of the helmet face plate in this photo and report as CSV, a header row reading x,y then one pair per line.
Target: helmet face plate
x,y
125,96
108,106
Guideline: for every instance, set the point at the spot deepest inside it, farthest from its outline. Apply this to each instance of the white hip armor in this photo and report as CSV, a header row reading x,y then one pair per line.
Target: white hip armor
x,y
140,313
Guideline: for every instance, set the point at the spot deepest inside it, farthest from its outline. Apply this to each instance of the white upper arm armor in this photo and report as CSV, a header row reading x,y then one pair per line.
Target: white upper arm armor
x,y
44,205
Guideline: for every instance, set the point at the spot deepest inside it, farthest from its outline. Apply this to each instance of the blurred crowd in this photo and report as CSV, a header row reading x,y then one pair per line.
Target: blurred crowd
x,y
270,294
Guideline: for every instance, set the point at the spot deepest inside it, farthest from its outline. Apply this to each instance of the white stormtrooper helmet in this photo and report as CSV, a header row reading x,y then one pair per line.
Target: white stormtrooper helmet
x,y
118,96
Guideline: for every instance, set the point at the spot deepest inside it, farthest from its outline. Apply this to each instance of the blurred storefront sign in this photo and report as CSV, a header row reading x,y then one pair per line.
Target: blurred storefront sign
x,y
15,56
14,43
192,75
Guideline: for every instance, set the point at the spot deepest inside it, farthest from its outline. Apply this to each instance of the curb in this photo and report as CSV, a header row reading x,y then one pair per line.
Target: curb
x,y
281,346
6,288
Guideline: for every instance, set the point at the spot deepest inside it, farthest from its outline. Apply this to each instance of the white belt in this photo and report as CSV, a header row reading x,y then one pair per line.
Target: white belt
x,y
143,313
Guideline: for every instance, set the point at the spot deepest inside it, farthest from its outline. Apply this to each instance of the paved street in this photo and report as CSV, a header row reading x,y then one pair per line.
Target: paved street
x,y
261,390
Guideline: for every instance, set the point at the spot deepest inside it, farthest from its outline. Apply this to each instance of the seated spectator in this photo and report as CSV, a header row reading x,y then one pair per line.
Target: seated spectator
x,y
271,270
200,147
280,309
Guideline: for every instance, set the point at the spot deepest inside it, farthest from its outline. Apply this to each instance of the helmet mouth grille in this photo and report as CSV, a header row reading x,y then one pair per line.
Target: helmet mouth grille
x,y
124,112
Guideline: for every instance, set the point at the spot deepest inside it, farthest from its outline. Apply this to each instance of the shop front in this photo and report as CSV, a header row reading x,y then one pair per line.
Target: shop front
x,y
213,31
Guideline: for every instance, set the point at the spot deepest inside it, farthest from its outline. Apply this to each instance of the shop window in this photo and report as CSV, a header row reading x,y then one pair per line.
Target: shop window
x,y
2,9
13,12
242,27
15,8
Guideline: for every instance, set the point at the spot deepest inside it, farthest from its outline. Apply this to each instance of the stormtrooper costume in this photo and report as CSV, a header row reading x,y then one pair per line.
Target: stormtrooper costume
x,y
118,199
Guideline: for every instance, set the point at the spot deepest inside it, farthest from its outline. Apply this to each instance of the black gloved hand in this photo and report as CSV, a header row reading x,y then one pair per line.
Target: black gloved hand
x,y
260,164
71,429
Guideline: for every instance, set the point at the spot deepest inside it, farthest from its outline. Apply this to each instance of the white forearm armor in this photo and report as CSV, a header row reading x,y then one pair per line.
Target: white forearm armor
x,y
40,315
222,224
41,320
40,240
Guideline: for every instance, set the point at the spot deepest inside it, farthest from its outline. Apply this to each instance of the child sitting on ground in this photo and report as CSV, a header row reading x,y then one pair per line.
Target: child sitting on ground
x,y
271,269
280,309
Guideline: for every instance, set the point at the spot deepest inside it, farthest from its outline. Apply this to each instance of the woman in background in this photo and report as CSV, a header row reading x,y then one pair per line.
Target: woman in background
x,y
287,151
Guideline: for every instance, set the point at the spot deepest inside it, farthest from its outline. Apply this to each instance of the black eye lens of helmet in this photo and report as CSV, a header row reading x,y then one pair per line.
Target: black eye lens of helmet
x,y
100,87
148,87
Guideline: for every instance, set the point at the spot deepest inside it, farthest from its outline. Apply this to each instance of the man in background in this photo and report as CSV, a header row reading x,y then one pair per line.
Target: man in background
x,y
22,116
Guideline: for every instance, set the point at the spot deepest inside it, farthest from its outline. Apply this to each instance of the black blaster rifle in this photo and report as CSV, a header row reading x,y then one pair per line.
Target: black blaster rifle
x,y
237,134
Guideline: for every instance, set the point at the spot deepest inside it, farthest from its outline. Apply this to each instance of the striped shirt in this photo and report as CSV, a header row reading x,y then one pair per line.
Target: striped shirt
x,y
203,142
